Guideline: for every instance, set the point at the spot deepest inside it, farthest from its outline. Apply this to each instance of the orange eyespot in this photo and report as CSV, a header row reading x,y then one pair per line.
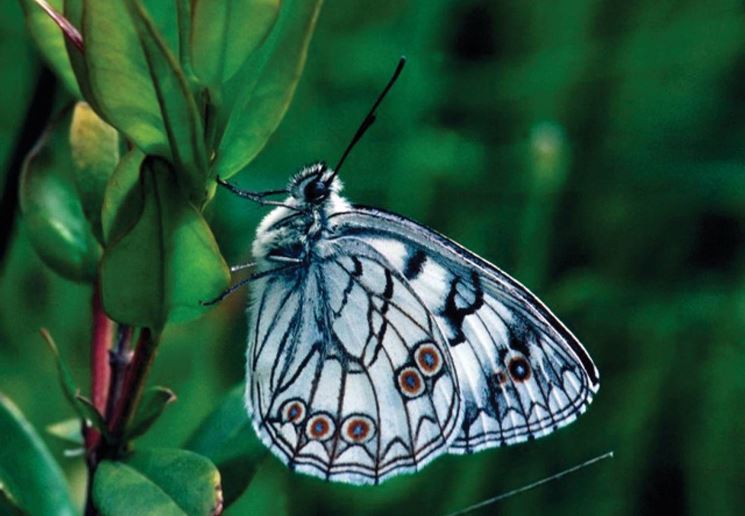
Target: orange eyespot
x,y
293,411
358,429
410,382
428,359
320,427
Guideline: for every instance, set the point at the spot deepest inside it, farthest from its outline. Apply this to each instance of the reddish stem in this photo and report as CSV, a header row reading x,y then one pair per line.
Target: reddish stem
x,y
134,381
100,370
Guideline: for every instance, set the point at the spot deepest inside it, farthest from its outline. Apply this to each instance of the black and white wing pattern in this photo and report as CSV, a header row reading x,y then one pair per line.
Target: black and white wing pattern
x,y
349,378
521,373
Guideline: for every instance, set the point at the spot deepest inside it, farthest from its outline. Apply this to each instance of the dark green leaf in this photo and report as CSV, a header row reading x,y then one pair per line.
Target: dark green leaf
x,y
166,263
182,121
225,33
95,153
52,210
227,439
122,204
50,40
158,481
69,387
28,471
267,494
256,116
154,402
91,414
120,81
68,430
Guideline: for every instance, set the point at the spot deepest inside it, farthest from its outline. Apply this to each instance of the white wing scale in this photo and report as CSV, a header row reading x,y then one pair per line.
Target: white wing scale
x,y
522,374
349,377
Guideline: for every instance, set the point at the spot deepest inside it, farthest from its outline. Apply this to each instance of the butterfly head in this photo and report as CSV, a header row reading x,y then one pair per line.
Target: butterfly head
x,y
314,185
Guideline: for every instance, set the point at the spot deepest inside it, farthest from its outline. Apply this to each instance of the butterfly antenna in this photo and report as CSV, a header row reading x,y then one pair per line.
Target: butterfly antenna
x,y
369,119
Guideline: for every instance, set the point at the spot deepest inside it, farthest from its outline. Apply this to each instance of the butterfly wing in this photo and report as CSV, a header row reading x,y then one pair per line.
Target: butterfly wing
x,y
522,374
348,376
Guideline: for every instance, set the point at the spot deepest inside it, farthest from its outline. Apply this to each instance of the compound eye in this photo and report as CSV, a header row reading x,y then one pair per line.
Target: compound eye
x,y
315,190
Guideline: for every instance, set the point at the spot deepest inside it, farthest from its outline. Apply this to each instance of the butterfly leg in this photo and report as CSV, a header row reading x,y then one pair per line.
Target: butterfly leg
x,y
225,293
257,197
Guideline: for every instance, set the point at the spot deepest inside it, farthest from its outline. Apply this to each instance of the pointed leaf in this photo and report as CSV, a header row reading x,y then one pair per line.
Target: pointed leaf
x,y
158,481
121,203
225,33
228,440
95,153
166,263
119,77
256,116
154,402
50,40
68,430
91,414
28,471
52,210
182,121
69,387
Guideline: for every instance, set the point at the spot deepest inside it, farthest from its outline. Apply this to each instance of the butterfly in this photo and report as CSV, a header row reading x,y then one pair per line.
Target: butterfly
x,y
377,344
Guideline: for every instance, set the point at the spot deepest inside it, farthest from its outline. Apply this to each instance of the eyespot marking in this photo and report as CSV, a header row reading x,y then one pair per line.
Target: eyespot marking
x,y
519,369
293,411
428,359
320,427
410,382
358,429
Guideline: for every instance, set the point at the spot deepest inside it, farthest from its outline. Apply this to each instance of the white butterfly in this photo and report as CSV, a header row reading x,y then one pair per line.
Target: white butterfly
x,y
377,344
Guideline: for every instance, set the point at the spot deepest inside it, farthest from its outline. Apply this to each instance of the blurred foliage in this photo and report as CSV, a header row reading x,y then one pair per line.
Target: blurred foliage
x,y
598,147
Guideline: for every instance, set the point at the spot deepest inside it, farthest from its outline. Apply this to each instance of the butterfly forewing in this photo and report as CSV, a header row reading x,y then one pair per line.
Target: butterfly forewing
x,y
349,377
521,373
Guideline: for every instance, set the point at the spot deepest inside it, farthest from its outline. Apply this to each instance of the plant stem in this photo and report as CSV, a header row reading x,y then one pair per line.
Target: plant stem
x,y
100,371
132,386
119,360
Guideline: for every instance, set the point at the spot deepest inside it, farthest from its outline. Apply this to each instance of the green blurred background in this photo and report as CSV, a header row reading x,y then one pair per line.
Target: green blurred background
x,y
593,149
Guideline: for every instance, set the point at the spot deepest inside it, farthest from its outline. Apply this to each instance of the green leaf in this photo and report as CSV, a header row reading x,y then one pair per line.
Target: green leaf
x,y
95,153
120,83
225,33
8,504
68,430
256,116
28,471
158,481
154,402
267,494
69,387
121,203
228,440
182,121
167,263
52,210
51,41
91,415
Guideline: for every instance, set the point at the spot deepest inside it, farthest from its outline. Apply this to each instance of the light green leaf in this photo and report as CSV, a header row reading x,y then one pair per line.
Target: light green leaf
x,y
167,263
119,76
225,33
68,430
95,154
182,121
158,481
52,210
91,415
69,387
28,471
228,440
51,41
256,116
154,402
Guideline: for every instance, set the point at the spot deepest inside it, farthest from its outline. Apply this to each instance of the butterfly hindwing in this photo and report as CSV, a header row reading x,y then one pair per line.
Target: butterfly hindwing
x,y
349,377
521,373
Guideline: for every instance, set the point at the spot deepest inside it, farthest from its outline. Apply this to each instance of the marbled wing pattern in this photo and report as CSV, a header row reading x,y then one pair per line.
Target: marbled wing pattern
x,y
349,378
521,373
